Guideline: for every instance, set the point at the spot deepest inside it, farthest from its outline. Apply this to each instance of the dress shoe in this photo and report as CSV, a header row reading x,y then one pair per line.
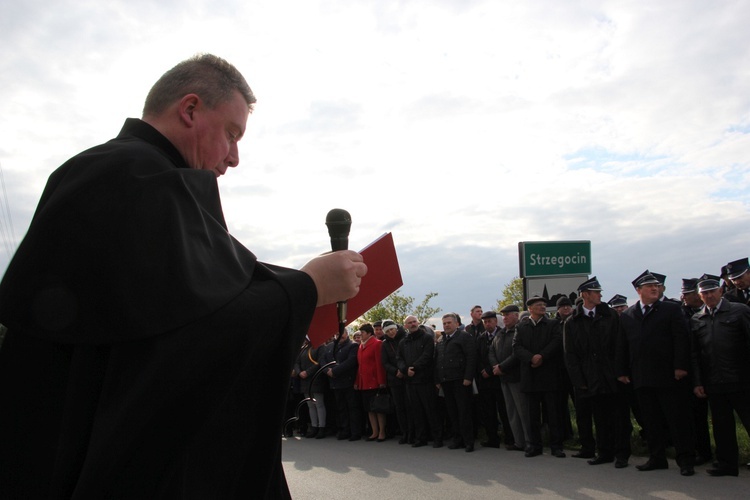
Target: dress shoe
x,y
621,463
355,438
371,438
342,436
490,444
419,444
558,453
687,470
600,460
652,466
380,440
455,446
532,453
437,443
583,454
512,447
722,471
469,448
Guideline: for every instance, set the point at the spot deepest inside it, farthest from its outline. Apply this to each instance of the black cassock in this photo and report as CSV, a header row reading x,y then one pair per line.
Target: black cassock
x,y
148,353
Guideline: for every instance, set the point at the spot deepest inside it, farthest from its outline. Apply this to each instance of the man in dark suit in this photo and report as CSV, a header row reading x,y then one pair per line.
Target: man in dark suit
x,y
691,304
489,387
654,355
737,273
721,368
415,359
342,376
538,347
455,364
590,338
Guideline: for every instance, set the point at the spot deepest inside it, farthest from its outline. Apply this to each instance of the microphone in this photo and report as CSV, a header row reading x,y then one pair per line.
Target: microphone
x,y
339,222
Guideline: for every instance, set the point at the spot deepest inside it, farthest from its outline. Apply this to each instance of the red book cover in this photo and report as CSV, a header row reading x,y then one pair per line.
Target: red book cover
x,y
382,279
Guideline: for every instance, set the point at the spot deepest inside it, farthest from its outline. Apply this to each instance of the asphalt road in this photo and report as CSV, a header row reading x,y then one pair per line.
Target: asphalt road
x,y
329,469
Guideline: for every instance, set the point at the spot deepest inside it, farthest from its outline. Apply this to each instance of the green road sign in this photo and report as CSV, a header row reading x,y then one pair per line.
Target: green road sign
x,y
554,258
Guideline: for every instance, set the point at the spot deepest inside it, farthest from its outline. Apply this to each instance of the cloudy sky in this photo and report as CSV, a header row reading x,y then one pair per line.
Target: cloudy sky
x,y
461,126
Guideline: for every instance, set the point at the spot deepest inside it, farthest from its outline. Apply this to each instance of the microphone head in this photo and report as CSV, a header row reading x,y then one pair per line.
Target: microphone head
x,y
339,223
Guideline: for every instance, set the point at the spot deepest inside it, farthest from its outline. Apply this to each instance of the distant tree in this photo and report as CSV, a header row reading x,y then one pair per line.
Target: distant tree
x,y
512,294
423,312
397,307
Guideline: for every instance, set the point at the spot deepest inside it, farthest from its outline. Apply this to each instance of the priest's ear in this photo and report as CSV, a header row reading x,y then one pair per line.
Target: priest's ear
x,y
186,109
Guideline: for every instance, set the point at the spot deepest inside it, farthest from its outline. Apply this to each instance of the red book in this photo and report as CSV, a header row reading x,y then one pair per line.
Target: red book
x,y
382,279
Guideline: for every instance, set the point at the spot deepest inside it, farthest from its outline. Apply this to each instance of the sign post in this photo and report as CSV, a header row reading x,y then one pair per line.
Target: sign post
x,y
553,269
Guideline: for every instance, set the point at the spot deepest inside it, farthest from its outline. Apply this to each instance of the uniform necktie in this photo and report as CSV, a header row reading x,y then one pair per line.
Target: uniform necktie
x,y
591,314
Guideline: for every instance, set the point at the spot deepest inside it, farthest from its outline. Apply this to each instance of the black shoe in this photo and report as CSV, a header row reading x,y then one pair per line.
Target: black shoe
x,y
355,438
722,471
455,446
583,454
687,470
469,448
380,440
621,463
512,447
370,438
532,453
490,444
437,443
600,460
343,435
652,466
312,432
419,444
558,453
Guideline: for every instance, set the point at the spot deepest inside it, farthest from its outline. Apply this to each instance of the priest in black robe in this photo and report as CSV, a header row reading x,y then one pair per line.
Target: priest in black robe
x,y
148,353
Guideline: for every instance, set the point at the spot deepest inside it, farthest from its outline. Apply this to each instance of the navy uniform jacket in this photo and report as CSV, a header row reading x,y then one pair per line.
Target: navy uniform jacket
x,y
543,338
653,347
721,348
417,350
455,359
590,350
390,363
345,369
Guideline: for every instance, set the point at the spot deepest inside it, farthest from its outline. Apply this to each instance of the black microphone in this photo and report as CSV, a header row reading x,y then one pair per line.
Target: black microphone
x,y
339,222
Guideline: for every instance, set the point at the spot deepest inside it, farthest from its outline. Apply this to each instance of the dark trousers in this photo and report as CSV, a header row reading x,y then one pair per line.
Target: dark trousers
x,y
421,401
398,396
585,423
551,402
664,408
611,414
723,406
492,408
568,393
700,423
349,412
458,405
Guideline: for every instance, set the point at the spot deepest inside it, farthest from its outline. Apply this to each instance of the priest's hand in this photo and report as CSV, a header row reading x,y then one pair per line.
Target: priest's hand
x,y
337,275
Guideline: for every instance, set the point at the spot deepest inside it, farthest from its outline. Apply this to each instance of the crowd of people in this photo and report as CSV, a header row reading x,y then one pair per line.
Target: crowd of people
x,y
506,375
